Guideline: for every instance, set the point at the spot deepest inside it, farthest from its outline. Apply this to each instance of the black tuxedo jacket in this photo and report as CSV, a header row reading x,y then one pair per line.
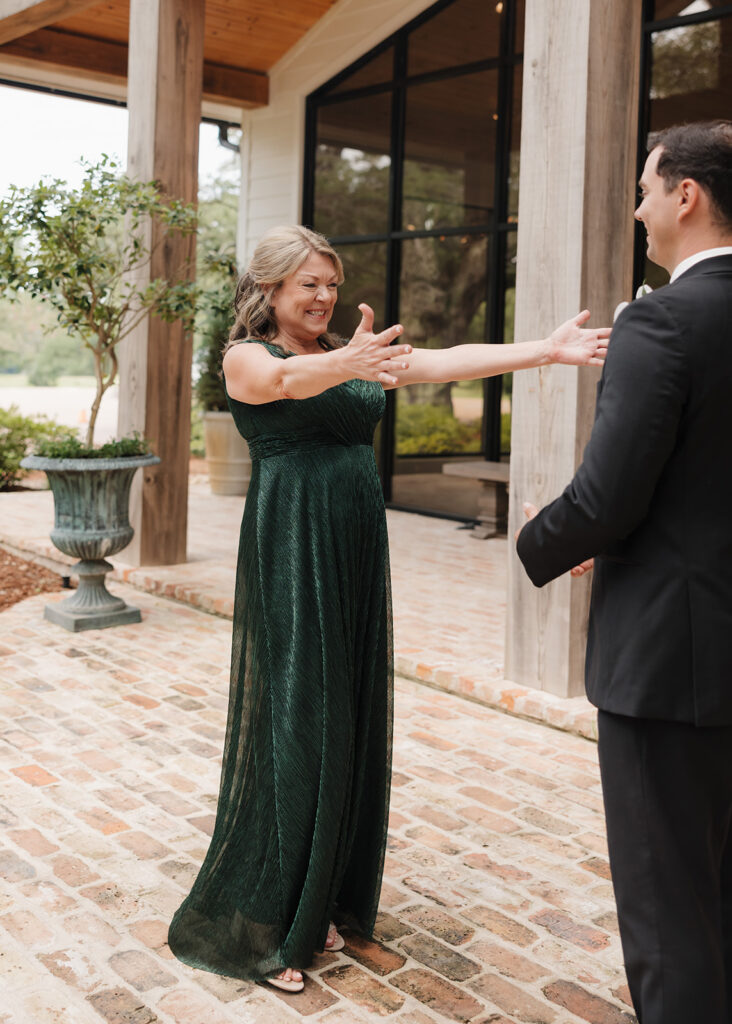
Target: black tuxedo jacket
x,y
652,502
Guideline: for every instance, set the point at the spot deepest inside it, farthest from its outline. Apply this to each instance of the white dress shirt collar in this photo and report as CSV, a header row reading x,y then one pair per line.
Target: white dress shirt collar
x,y
697,257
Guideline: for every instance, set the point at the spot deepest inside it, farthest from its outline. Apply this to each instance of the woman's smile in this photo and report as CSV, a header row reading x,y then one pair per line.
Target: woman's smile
x,y
303,303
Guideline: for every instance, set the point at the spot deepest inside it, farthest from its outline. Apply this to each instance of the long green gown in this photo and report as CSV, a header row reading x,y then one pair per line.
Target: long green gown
x,y
302,814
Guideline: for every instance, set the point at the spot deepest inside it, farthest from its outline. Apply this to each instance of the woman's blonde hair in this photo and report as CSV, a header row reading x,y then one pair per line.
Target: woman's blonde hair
x,y
279,253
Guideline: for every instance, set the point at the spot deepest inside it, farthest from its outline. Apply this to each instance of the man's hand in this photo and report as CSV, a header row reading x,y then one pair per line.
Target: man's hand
x,y
579,570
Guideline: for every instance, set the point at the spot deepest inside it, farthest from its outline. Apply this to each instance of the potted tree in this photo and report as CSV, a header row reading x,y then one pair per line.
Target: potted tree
x,y
79,250
227,453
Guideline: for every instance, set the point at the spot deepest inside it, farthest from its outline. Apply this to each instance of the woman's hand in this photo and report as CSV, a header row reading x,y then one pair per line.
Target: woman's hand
x,y
574,345
370,356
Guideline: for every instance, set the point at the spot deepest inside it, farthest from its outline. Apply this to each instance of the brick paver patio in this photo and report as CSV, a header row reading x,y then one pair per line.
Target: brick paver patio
x,y
449,594
496,903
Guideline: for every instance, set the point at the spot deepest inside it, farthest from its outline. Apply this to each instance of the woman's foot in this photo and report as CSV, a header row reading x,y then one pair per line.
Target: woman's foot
x,y
289,980
334,940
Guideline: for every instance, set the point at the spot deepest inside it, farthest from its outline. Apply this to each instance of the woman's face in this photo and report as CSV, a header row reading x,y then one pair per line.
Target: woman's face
x,y
303,303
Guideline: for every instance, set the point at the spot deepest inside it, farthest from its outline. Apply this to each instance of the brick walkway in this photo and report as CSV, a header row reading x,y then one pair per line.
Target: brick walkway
x,y
449,594
496,904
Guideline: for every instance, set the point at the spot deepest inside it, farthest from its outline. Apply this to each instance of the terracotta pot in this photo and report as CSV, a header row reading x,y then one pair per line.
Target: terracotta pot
x,y
227,454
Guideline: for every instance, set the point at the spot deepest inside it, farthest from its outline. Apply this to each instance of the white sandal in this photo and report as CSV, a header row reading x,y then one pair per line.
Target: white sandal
x,y
287,984
338,940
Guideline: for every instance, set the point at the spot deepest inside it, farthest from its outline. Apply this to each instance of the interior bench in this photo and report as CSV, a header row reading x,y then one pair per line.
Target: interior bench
x,y
493,502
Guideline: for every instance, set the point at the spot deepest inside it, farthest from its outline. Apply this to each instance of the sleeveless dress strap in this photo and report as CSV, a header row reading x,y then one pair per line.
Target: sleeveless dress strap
x,y
274,350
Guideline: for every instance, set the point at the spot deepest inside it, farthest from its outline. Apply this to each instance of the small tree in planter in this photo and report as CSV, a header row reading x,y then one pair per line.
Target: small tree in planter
x,y
81,251
227,453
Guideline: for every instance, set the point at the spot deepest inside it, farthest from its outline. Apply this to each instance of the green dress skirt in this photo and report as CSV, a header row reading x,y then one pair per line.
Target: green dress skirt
x,y
301,822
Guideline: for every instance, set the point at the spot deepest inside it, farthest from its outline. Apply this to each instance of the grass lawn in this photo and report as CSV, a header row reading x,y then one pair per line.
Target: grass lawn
x,y
20,380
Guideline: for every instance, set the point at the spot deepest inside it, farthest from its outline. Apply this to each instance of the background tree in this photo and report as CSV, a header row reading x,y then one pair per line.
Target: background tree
x,y
31,343
686,60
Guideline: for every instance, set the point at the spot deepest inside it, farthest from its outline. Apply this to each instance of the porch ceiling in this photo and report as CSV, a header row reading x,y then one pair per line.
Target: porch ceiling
x,y
87,40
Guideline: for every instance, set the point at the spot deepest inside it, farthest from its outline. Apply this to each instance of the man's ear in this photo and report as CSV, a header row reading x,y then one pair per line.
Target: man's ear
x,y
689,196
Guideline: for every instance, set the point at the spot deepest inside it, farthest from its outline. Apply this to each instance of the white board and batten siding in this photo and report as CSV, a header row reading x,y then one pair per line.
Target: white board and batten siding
x,y
274,136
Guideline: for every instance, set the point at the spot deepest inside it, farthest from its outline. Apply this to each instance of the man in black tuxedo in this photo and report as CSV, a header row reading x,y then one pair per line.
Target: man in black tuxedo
x,y
652,503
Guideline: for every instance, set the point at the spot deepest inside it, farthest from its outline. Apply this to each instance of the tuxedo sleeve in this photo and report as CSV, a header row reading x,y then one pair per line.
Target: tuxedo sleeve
x,y
639,408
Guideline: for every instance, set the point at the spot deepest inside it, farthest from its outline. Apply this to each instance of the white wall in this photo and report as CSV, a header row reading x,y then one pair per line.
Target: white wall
x,y
274,136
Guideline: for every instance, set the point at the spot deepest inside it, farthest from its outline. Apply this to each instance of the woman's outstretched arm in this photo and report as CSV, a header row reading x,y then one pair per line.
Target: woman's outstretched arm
x,y
570,344
256,377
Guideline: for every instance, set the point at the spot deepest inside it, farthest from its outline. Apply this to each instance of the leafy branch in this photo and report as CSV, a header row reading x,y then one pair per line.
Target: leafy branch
x,y
86,253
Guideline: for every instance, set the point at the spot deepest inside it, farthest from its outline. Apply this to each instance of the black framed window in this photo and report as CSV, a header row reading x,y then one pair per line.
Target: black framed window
x,y
411,170
686,76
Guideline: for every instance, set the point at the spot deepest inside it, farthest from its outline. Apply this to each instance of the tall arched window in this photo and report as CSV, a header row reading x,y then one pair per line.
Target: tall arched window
x,y
412,168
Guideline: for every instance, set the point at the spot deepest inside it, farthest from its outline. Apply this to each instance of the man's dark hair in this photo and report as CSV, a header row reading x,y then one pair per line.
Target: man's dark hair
x,y
702,151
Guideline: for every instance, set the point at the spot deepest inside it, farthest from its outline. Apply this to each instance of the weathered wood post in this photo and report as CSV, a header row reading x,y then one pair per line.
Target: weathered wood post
x,y
575,248
164,99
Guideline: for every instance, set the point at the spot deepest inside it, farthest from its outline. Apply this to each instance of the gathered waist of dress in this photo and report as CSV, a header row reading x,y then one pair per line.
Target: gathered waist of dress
x,y
297,444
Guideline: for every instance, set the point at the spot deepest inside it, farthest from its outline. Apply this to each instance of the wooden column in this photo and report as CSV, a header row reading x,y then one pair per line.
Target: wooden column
x,y
164,100
575,248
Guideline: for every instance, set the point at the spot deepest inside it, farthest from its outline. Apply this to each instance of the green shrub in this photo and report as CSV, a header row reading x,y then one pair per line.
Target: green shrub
x,y
434,430
213,323
198,444
505,433
18,434
42,375
70,447
209,386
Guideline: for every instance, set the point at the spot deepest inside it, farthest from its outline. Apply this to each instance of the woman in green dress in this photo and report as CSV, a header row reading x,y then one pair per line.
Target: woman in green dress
x,y
301,822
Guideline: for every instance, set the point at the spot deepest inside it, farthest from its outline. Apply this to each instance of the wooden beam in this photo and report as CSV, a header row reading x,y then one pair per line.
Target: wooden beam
x,y
101,58
65,50
165,75
575,250
19,17
222,84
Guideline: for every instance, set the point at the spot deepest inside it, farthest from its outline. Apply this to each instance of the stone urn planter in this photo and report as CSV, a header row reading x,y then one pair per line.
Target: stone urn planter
x,y
227,454
91,505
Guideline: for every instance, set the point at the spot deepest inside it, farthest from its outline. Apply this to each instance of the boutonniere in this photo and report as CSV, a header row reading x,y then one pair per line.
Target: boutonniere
x,y
644,289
